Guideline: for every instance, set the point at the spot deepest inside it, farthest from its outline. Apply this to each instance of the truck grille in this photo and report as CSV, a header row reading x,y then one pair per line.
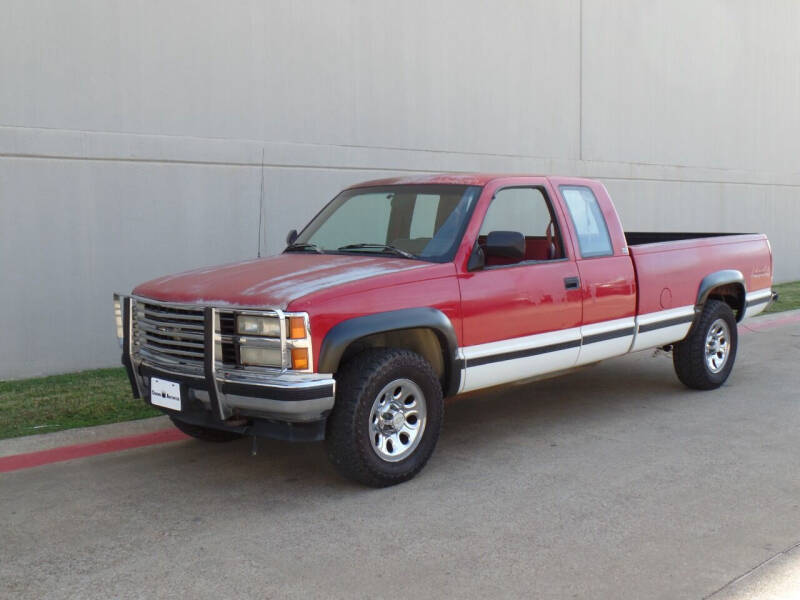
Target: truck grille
x,y
169,336
172,337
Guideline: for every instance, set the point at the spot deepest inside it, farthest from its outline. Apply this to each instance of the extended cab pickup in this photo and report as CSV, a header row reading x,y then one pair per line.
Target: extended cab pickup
x,y
401,292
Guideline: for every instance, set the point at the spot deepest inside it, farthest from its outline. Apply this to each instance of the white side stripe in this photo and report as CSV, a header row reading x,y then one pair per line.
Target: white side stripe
x,y
521,343
662,327
664,315
759,300
605,326
758,294
519,358
606,339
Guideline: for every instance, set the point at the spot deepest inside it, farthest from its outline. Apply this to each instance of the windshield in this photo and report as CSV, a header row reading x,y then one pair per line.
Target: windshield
x,y
413,221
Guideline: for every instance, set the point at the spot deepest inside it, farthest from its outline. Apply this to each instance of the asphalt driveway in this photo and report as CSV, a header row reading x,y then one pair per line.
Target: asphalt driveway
x,y
615,482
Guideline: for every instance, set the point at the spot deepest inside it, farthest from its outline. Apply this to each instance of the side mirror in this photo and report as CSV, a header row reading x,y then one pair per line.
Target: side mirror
x,y
291,237
506,244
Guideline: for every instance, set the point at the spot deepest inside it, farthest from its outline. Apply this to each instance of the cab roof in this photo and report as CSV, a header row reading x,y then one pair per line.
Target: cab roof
x,y
444,178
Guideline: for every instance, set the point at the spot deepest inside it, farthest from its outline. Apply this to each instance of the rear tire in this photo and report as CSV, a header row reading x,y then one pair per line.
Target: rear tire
x,y
704,359
387,417
205,433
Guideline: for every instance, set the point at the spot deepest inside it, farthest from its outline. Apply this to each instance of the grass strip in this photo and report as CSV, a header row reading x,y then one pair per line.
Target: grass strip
x,y
788,297
46,404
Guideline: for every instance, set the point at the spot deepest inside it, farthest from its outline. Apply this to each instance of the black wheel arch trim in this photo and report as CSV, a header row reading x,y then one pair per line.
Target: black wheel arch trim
x,y
346,332
717,279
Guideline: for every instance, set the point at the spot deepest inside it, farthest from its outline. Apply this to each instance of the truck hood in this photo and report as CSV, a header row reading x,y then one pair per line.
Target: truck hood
x,y
273,282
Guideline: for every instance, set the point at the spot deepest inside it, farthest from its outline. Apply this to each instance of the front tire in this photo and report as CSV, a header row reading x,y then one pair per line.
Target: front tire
x,y
704,359
387,417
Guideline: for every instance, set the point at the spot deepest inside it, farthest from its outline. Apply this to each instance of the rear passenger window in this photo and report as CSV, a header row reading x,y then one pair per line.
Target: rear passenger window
x,y
590,225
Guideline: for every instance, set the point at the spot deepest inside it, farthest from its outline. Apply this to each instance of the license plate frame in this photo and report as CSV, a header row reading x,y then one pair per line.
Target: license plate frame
x,y
166,394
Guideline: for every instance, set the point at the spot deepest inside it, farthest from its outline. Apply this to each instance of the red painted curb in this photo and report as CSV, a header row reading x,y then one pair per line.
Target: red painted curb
x,y
44,457
772,323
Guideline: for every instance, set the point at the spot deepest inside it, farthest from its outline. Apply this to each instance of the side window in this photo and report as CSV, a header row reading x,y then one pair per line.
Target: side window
x,y
528,211
590,225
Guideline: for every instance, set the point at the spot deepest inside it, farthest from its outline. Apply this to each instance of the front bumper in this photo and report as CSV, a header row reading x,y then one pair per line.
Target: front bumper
x,y
284,397
231,395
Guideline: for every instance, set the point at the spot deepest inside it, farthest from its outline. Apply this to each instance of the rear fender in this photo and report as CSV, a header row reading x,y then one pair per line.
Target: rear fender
x,y
730,282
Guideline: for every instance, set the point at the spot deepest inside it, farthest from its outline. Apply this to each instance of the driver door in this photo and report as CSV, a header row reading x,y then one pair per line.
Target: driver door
x,y
521,318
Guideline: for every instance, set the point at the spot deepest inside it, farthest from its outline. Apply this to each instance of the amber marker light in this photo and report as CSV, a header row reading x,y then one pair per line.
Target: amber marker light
x,y
297,328
299,358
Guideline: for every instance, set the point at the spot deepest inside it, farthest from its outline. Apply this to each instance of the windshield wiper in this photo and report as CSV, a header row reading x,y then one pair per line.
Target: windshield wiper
x,y
382,247
305,246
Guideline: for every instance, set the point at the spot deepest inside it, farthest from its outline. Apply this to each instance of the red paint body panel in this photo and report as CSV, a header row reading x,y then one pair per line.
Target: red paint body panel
x,y
518,300
608,283
484,306
608,286
279,280
434,285
680,267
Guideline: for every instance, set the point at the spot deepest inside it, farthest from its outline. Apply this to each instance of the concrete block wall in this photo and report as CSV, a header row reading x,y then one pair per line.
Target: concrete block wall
x,y
138,139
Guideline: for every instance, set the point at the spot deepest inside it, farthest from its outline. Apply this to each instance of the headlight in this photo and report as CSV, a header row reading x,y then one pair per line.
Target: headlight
x,y
253,325
260,357
265,340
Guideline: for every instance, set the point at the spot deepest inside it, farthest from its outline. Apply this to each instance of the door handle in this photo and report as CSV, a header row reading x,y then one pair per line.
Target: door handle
x,y
572,283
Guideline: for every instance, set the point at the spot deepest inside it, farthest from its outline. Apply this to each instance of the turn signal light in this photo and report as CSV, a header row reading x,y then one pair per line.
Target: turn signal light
x,y
297,328
299,358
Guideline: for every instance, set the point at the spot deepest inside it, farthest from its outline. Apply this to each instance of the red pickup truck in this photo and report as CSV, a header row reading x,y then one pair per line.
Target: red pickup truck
x,y
401,292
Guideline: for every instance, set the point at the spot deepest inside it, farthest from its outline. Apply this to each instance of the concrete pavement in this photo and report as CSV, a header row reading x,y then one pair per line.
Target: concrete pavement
x,y
614,482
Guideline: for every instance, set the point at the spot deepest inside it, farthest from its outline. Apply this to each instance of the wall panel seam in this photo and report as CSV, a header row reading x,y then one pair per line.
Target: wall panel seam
x,y
392,169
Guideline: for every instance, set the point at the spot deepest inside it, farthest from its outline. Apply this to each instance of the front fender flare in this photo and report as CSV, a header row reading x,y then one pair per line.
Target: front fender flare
x,y
345,333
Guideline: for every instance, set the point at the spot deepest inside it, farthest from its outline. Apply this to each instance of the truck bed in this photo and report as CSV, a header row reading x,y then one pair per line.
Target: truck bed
x,y
670,266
